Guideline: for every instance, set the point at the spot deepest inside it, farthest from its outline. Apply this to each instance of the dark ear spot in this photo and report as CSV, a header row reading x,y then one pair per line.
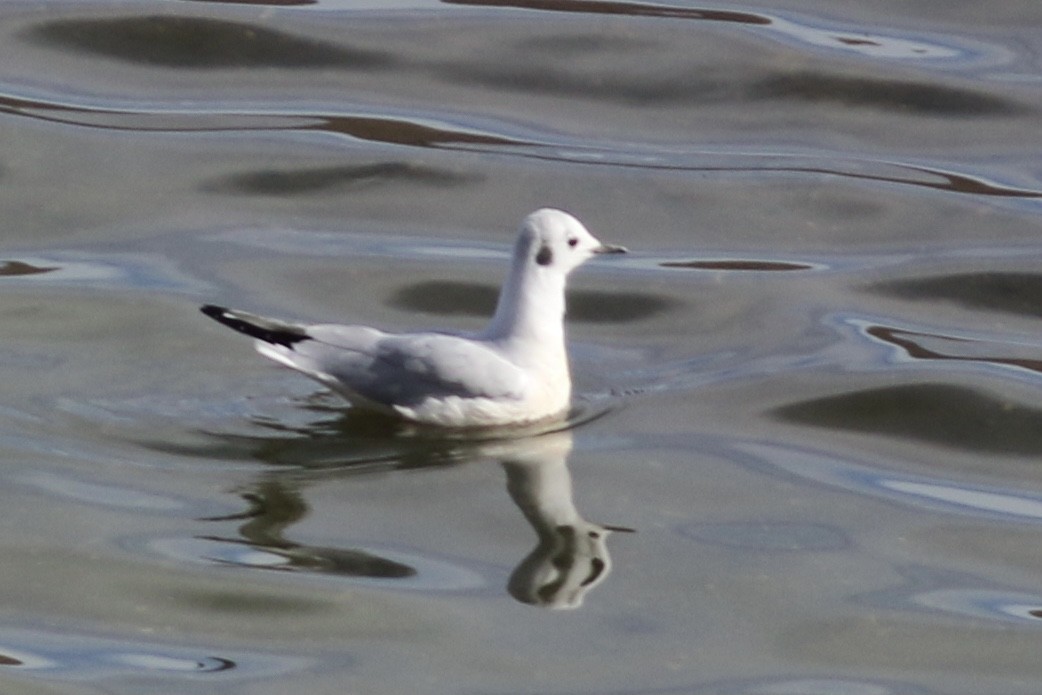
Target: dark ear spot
x,y
545,255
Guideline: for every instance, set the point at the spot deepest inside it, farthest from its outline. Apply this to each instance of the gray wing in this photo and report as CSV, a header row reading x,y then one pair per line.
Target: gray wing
x,y
406,369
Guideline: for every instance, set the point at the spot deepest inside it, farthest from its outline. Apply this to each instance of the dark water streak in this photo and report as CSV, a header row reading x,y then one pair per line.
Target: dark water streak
x,y
316,179
630,9
912,343
739,265
20,268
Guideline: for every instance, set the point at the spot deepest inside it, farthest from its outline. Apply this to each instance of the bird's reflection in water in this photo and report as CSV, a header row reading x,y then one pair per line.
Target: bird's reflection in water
x,y
276,505
571,557
569,560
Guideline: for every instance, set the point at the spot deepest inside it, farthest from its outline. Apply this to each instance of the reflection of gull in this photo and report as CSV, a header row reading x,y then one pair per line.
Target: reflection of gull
x,y
572,555
515,371
570,559
273,508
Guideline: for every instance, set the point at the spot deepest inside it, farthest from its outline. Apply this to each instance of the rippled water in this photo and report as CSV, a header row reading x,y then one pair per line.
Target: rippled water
x,y
804,458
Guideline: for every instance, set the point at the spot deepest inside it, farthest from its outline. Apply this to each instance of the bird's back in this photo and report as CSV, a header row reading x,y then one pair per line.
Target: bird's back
x,y
435,378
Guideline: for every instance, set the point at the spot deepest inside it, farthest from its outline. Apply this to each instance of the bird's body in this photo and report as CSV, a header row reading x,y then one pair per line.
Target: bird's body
x,y
513,372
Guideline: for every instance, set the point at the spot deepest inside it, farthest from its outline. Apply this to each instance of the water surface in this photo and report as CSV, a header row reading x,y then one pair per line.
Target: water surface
x,y
804,453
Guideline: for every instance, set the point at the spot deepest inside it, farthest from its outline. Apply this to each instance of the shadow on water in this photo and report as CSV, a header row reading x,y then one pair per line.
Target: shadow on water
x,y
569,560
891,95
199,43
952,416
339,178
887,94
702,89
447,297
1014,293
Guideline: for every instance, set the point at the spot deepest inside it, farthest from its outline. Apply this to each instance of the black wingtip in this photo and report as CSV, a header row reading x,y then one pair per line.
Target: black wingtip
x,y
213,311
269,334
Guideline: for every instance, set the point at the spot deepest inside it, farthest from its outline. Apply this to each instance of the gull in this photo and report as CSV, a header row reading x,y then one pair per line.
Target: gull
x,y
513,372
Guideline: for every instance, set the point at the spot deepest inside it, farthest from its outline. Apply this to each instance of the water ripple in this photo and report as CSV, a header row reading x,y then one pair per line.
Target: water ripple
x,y
110,496
795,29
927,589
807,685
924,493
97,270
380,566
631,9
921,345
272,3
441,132
71,655
398,130
769,536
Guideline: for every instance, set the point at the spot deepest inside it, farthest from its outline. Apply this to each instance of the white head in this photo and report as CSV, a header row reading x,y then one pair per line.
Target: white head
x,y
550,245
553,239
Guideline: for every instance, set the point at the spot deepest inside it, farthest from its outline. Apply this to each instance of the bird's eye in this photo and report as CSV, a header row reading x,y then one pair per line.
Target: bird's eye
x,y
573,242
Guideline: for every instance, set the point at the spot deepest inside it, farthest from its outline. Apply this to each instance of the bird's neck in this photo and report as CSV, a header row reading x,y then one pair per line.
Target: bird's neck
x,y
542,490
530,310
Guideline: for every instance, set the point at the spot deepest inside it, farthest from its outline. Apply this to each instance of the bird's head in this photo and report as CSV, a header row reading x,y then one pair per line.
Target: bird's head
x,y
553,239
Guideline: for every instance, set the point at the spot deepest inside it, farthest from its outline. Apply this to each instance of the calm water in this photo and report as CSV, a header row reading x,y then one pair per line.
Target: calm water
x,y
805,457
